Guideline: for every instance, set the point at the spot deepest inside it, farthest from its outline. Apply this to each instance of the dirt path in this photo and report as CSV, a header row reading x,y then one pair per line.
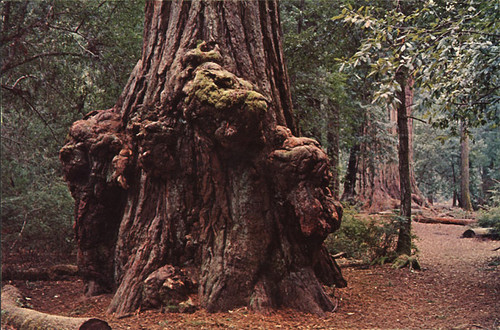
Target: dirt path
x,y
457,288
469,286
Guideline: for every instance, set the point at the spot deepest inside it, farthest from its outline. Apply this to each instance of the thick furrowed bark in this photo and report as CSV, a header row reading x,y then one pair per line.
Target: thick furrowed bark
x,y
209,180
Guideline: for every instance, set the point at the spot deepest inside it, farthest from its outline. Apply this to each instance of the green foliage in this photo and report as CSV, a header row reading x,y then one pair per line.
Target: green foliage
x,y
451,48
437,162
311,43
495,194
404,260
485,160
38,218
491,219
60,60
368,240
437,175
331,106
494,262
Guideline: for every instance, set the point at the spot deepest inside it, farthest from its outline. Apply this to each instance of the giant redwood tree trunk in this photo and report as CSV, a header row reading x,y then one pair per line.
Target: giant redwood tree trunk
x,y
195,170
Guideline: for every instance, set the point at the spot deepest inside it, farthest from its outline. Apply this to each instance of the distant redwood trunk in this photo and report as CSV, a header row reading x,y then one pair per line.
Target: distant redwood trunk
x,y
349,193
333,138
195,172
464,170
375,184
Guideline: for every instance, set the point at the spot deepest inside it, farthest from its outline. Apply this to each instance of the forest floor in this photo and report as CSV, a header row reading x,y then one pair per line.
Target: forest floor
x,y
457,288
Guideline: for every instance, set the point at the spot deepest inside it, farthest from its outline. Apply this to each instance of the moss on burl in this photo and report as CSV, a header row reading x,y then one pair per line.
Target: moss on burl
x,y
222,90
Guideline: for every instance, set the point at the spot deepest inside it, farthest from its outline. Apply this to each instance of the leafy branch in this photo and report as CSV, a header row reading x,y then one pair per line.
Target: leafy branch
x,y
8,66
446,49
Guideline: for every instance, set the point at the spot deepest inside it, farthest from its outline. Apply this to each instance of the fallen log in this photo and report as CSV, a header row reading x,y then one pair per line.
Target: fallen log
x,y
53,273
446,221
13,313
479,231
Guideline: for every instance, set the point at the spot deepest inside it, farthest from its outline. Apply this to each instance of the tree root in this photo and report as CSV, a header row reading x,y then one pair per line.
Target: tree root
x,y
406,261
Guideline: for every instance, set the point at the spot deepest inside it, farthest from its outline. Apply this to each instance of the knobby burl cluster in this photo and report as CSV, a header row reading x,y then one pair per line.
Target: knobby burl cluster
x,y
218,114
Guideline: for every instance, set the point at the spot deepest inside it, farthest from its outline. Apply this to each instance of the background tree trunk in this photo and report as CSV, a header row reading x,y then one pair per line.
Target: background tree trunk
x,y
404,236
455,197
464,169
379,187
350,177
206,175
333,138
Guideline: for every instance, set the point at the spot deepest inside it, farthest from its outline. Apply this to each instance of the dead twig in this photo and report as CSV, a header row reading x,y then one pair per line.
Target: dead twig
x,y
24,226
338,255
336,305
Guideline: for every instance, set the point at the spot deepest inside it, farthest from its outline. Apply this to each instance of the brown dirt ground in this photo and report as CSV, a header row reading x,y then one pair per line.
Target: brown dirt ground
x,y
457,288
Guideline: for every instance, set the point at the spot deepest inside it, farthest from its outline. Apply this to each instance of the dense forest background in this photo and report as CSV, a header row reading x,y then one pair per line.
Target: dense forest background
x,y
63,59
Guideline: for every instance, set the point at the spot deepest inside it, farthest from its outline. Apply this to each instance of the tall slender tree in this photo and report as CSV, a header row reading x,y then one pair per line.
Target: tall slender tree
x,y
404,236
196,167
465,200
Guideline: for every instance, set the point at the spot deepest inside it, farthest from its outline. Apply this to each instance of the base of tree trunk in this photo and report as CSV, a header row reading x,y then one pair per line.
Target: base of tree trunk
x,y
406,261
13,313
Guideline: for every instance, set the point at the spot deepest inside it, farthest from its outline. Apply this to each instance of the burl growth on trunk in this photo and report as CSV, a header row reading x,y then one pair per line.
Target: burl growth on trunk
x,y
204,193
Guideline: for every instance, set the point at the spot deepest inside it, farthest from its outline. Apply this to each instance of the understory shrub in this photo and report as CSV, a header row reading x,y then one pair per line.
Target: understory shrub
x,y
366,239
39,219
490,218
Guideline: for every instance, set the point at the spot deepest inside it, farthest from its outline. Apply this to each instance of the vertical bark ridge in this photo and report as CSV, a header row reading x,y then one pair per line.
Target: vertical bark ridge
x,y
265,26
281,68
464,169
250,18
236,39
277,63
172,40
